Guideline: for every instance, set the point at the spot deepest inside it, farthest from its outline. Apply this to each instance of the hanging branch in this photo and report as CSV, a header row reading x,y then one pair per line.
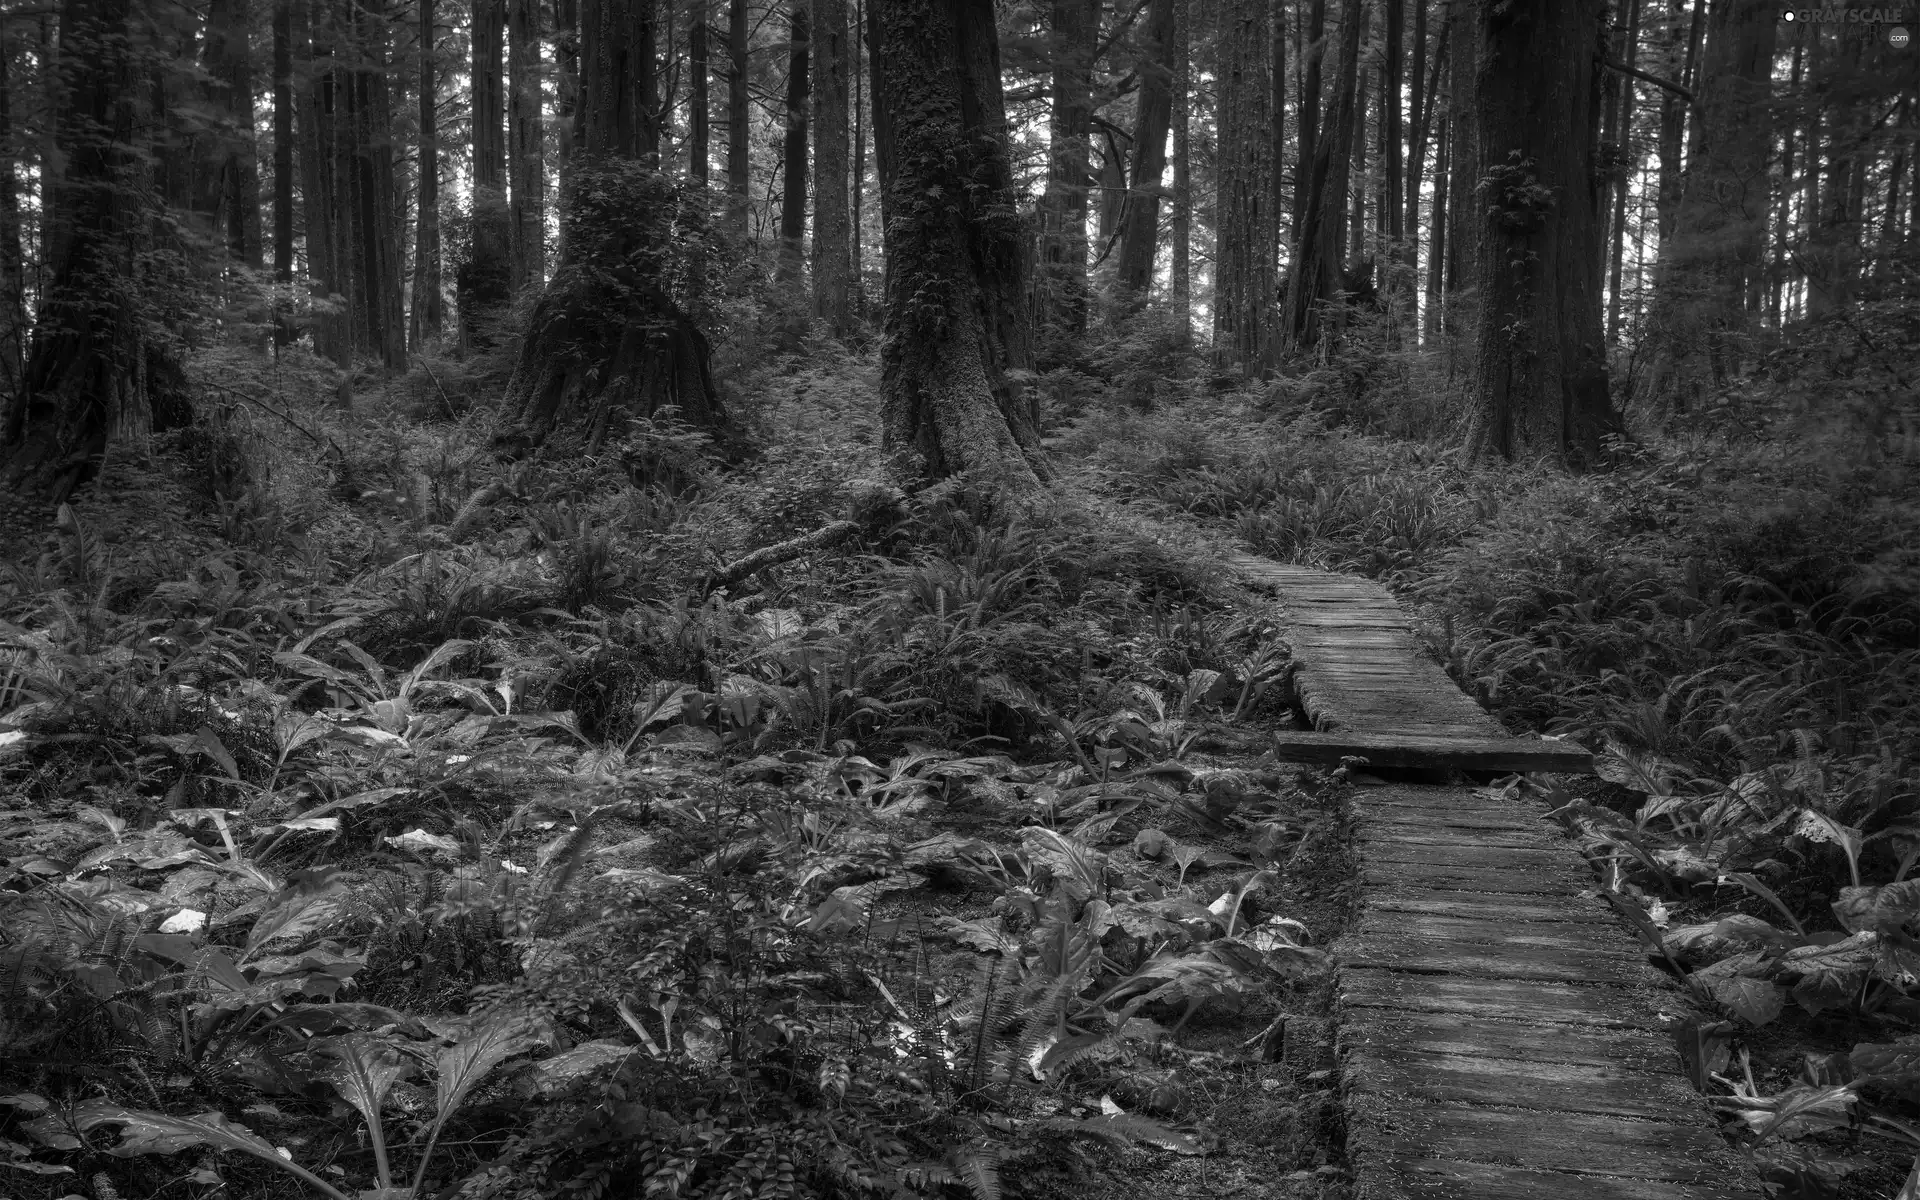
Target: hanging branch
x,y
1616,65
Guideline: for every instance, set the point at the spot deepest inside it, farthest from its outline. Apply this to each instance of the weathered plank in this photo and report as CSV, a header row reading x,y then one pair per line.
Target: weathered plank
x,y
1545,964
1470,878
1497,999
1511,908
1453,930
1404,750
1660,1150
1538,1042
1449,1179
1601,1089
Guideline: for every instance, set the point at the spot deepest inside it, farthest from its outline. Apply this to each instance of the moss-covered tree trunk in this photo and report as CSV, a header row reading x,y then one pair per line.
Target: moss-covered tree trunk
x,y
957,332
1244,255
1541,368
94,374
611,339
1060,295
526,146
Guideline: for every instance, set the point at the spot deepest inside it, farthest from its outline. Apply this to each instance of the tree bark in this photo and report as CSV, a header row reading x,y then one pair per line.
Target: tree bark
x,y
610,340
283,142
1244,256
952,400
1393,145
1316,275
793,146
1277,201
699,101
1701,327
484,282
228,183
1061,292
832,266
1673,110
322,189
1313,53
13,279
1463,232
94,375
1435,316
1832,254
427,317
737,114
566,75
1155,105
1541,370
1180,279
1622,176
376,206
526,161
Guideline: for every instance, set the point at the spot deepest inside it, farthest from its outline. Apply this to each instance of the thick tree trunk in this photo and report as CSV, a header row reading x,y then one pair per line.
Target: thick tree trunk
x,y
1701,327
484,282
94,376
13,279
793,146
1155,105
1541,359
1180,274
376,206
428,318
1061,294
526,149
952,400
610,342
699,99
566,78
1313,53
1316,275
1463,229
1392,137
737,114
832,267
1244,257
322,189
283,142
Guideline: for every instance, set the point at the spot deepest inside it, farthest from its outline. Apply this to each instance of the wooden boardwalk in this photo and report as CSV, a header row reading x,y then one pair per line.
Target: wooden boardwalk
x,y
1501,1034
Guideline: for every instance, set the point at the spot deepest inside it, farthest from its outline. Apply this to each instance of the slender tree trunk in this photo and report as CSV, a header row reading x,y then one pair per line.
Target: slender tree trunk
x,y
1541,365
1435,323
526,160
1244,258
1317,276
566,76
610,340
1419,106
376,211
1463,152
1111,195
1392,136
228,192
1784,221
1181,272
952,400
1142,235
1061,295
832,264
1673,114
317,44
428,318
1701,326
485,281
94,375
1357,190
858,66
1832,255
1277,201
699,102
793,171
13,278
737,114
1627,163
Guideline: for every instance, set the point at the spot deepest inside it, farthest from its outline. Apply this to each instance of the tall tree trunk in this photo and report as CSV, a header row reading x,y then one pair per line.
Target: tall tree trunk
x,y
1244,257
857,66
1155,106
376,214
484,282
1061,299
228,191
1392,137
1832,255
1541,368
793,147
1701,328
699,100
952,400
1357,226
1784,221
1111,195
283,142
1277,209
737,114
1180,279
526,151
1435,323
1683,54
1313,53
832,266
1625,165
94,375
566,76
610,340
1463,153
1425,102
13,278
428,318
318,45
1316,274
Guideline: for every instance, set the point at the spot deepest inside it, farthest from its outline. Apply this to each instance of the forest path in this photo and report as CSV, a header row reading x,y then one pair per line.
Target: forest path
x,y
1497,1023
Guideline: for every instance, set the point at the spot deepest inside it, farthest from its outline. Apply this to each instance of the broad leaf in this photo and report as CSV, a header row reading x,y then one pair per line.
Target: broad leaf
x,y
157,1133
309,901
496,1037
1754,1001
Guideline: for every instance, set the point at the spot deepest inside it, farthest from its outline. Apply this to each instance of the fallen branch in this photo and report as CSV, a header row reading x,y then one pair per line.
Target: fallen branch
x,y
780,552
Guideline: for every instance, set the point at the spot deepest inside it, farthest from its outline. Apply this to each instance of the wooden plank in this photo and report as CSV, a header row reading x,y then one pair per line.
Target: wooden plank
x,y
1454,929
1470,879
1446,1033
1510,837
1450,1179
1661,1150
1605,1089
1518,1000
1533,909
1491,859
1544,964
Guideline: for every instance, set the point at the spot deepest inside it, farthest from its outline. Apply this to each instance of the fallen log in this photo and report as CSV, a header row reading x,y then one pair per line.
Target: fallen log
x,y
780,552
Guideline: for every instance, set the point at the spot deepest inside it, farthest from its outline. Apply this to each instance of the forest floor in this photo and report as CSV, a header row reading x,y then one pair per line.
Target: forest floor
x,y
413,825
